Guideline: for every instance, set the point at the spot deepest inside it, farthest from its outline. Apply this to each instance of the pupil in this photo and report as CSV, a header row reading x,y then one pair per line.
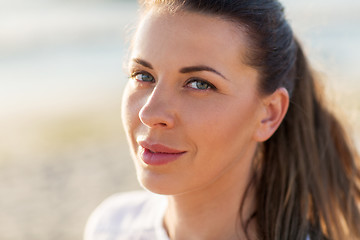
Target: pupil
x,y
145,78
201,85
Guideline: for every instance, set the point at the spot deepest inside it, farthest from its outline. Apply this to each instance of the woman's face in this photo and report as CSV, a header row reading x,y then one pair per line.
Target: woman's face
x,y
190,107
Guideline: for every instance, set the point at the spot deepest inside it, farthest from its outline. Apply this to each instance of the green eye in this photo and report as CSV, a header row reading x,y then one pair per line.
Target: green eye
x,y
200,85
143,77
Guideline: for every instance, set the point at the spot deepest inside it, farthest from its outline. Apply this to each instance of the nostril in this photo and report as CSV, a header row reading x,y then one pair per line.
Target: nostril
x,y
153,119
156,112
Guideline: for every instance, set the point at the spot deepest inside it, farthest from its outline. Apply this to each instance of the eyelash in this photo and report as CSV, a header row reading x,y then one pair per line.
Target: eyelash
x,y
135,74
190,81
194,80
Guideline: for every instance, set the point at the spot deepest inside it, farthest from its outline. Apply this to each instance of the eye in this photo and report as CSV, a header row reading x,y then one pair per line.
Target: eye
x,y
143,77
200,84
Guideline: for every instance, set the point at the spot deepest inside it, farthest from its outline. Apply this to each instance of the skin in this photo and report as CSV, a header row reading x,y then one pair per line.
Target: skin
x,y
217,117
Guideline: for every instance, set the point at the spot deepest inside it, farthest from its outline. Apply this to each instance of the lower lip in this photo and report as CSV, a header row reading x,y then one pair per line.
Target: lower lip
x,y
156,159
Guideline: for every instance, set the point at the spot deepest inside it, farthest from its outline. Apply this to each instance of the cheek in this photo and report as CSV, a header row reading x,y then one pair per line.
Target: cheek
x,y
222,126
224,114
221,135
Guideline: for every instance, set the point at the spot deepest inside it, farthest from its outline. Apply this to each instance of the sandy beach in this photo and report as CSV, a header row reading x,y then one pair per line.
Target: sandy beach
x,y
55,171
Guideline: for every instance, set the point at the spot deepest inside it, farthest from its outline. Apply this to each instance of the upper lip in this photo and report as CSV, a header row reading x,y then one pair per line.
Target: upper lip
x,y
158,148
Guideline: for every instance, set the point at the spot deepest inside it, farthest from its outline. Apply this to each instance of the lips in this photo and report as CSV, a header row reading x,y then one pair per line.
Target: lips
x,y
158,154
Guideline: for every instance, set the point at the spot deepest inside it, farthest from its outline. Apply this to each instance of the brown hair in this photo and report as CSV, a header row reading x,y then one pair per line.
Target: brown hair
x,y
307,181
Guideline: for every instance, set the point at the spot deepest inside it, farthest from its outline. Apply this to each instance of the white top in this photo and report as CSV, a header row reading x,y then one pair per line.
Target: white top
x,y
128,216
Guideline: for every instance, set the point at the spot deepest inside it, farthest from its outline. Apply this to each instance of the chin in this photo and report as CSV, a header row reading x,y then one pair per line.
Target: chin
x,y
155,184
161,183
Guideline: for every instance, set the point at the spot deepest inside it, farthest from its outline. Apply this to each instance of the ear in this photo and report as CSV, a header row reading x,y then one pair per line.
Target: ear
x,y
274,109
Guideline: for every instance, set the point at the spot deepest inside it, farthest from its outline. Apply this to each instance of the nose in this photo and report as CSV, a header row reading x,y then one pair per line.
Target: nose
x,y
157,112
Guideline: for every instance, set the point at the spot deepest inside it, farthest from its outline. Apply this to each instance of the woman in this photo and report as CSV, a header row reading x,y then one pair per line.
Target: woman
x,y
225,122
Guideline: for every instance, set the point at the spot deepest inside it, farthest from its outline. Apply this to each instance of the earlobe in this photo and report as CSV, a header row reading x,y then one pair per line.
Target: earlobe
x,y
275,107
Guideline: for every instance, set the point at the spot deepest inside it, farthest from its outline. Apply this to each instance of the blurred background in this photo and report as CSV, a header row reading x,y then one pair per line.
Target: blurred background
x,y
62,147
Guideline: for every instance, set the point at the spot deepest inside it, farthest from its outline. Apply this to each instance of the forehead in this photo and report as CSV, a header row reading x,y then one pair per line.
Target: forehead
x,y
162,34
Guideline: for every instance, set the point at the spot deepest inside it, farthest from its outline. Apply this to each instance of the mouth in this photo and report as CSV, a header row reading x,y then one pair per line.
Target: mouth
x,y
158,154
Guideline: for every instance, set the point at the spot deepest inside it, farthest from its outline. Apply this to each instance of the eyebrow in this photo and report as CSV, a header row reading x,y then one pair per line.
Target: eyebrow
x,y
201,68
190,69
143,63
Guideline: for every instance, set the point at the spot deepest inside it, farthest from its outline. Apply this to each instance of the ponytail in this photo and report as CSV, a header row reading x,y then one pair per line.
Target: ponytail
x,y
308,182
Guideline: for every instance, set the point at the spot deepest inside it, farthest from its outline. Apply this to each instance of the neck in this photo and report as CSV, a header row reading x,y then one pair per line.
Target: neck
x,y
212,212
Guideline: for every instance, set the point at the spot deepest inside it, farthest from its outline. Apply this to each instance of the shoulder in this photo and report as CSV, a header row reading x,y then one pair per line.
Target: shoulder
x,y
125,215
